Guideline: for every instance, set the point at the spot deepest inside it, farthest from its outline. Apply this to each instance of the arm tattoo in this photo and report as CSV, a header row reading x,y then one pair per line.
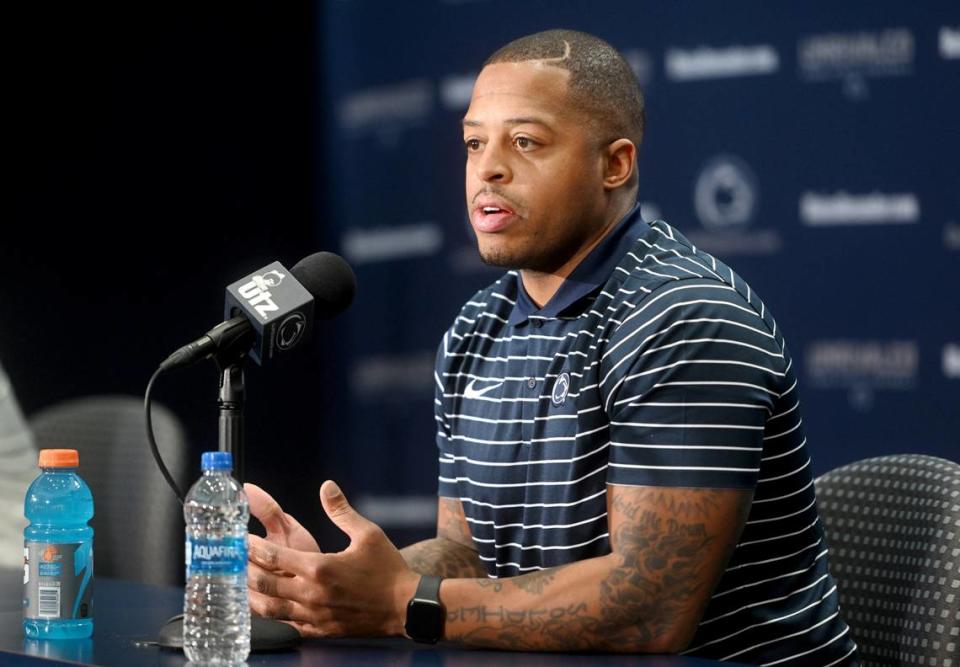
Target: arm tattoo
x,y
552,628
535,583
657,579
667,544
451,553
443,558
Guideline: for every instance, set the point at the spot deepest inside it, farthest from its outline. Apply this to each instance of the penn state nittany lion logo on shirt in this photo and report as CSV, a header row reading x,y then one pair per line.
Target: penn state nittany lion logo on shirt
x,y
560,388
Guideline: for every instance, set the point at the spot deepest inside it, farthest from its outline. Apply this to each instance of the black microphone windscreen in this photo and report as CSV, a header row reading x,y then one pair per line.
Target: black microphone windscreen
x,y
330,280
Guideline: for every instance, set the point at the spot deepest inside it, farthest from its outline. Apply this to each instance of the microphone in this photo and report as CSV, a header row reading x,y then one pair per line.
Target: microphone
x,y
271,311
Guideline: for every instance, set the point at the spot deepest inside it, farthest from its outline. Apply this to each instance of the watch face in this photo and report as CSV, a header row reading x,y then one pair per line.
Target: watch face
x,y
425,621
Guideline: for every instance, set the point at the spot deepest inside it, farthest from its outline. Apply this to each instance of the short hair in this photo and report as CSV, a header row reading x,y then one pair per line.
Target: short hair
x,y
601,82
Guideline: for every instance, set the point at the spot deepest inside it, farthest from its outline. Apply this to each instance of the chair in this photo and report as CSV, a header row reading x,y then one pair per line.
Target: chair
x,y
893,527
138,523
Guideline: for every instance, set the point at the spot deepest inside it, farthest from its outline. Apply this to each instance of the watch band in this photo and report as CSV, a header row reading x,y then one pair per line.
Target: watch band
x,y
428,589
425,613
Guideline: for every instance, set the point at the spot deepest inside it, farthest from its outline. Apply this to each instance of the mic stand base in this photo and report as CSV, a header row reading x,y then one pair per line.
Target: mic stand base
x,y
266,634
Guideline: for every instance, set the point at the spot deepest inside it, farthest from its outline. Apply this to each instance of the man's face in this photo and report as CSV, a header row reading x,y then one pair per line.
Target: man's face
x,y
534,179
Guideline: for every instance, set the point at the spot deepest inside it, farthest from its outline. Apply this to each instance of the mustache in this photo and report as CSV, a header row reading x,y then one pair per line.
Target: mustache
x,y
497,192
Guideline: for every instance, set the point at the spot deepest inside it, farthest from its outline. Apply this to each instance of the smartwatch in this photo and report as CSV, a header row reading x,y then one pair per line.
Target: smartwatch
x,y
425,614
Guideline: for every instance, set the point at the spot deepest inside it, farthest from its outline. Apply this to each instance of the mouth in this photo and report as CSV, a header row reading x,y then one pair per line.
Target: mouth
x,y
491,216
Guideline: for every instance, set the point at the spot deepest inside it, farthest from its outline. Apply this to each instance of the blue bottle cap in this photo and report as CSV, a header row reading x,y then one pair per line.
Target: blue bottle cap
x,y
216,461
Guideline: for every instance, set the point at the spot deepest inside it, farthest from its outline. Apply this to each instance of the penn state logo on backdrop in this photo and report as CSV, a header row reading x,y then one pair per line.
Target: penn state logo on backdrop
x,y
725,194
561,387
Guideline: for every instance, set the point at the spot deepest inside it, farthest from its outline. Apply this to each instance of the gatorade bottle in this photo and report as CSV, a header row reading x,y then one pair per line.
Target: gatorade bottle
x,y
58,551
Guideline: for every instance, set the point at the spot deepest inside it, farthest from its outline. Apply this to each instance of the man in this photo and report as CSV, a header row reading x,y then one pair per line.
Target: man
x,y
622,466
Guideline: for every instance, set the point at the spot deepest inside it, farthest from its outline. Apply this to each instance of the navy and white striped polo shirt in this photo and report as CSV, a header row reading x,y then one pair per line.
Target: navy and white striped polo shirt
x,y
654,364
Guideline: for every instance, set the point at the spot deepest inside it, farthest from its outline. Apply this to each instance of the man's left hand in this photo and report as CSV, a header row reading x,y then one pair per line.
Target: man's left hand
x,y
360,591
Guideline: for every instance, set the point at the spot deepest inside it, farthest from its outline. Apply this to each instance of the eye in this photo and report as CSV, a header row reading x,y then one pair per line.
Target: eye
x,y
472,145
524,143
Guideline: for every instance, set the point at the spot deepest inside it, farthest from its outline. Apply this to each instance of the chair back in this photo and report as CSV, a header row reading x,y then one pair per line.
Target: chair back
x,y
893,526
138,522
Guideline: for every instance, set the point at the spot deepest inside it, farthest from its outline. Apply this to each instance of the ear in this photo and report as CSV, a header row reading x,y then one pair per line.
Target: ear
x,y
620,161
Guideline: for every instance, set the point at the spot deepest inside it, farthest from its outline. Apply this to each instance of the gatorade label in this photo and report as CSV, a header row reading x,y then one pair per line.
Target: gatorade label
x,y
226,555
57,580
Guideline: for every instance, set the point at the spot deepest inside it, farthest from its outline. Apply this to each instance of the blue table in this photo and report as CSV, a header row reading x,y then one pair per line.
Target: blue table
x,y
128,614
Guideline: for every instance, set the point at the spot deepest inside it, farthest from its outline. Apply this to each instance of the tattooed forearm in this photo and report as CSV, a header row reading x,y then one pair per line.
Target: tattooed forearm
x,y
668,549
443,558
551,628
658,578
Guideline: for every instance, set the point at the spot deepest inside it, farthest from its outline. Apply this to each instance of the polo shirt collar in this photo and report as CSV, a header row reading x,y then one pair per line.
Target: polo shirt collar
x,y
592,272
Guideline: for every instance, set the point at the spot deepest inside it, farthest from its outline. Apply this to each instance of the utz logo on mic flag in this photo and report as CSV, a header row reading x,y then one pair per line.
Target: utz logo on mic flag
x,y
278,307
257,292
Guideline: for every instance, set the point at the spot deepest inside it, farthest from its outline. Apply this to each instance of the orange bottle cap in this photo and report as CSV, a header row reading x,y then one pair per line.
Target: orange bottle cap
x,y
59,458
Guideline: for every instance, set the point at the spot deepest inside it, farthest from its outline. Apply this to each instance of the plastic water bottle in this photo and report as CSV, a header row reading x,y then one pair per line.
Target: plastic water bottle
x,y
216,610
58,551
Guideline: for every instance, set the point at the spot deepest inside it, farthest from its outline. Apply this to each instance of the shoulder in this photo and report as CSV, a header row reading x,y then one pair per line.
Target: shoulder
x,y
485,313
665,276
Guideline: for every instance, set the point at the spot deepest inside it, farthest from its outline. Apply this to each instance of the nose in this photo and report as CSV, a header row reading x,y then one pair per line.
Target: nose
x,y
492,165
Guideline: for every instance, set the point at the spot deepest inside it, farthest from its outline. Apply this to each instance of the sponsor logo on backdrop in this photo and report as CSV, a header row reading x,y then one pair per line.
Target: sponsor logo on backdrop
x,y
951,361
705,62
950,42
456,90
399,511
650,211
641,63
725,199
382,244
725,194
843,208
396,377
387,108
862,367
951,236
853,57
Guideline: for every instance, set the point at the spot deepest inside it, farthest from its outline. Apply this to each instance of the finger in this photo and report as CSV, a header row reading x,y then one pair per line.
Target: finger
x,y
280,559
284,586
266,509
316,622
279,573
280,609
341,512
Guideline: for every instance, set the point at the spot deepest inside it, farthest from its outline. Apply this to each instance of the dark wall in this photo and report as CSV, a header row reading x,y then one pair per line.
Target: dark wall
x,y
160,151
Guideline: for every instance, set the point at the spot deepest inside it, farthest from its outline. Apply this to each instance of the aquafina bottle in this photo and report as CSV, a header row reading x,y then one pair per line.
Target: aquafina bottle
x,y
216,609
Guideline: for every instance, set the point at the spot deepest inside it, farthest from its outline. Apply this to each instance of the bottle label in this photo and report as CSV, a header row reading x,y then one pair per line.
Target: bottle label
x,y
57,580
227,555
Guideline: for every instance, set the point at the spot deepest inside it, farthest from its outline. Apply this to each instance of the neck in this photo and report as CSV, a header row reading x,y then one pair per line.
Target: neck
x,y
541,287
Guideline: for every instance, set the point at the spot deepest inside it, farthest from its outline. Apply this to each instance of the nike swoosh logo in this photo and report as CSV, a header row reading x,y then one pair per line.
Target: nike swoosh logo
x,y
470,392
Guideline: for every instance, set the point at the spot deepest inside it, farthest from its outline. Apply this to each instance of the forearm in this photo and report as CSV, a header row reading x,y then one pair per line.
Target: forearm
x,y
594,604
443,557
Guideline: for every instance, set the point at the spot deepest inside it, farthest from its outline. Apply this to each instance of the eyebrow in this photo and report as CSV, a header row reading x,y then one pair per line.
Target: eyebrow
x,y
520,120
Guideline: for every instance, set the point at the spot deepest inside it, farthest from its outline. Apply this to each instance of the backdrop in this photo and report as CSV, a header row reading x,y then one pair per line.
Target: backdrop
x,y
162,150
814,147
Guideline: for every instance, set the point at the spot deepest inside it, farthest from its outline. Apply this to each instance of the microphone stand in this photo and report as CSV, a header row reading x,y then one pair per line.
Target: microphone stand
x,y
266,634
231,423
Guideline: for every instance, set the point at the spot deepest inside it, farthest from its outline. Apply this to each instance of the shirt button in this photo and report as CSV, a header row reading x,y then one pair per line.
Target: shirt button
x,y
531,382
537,323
